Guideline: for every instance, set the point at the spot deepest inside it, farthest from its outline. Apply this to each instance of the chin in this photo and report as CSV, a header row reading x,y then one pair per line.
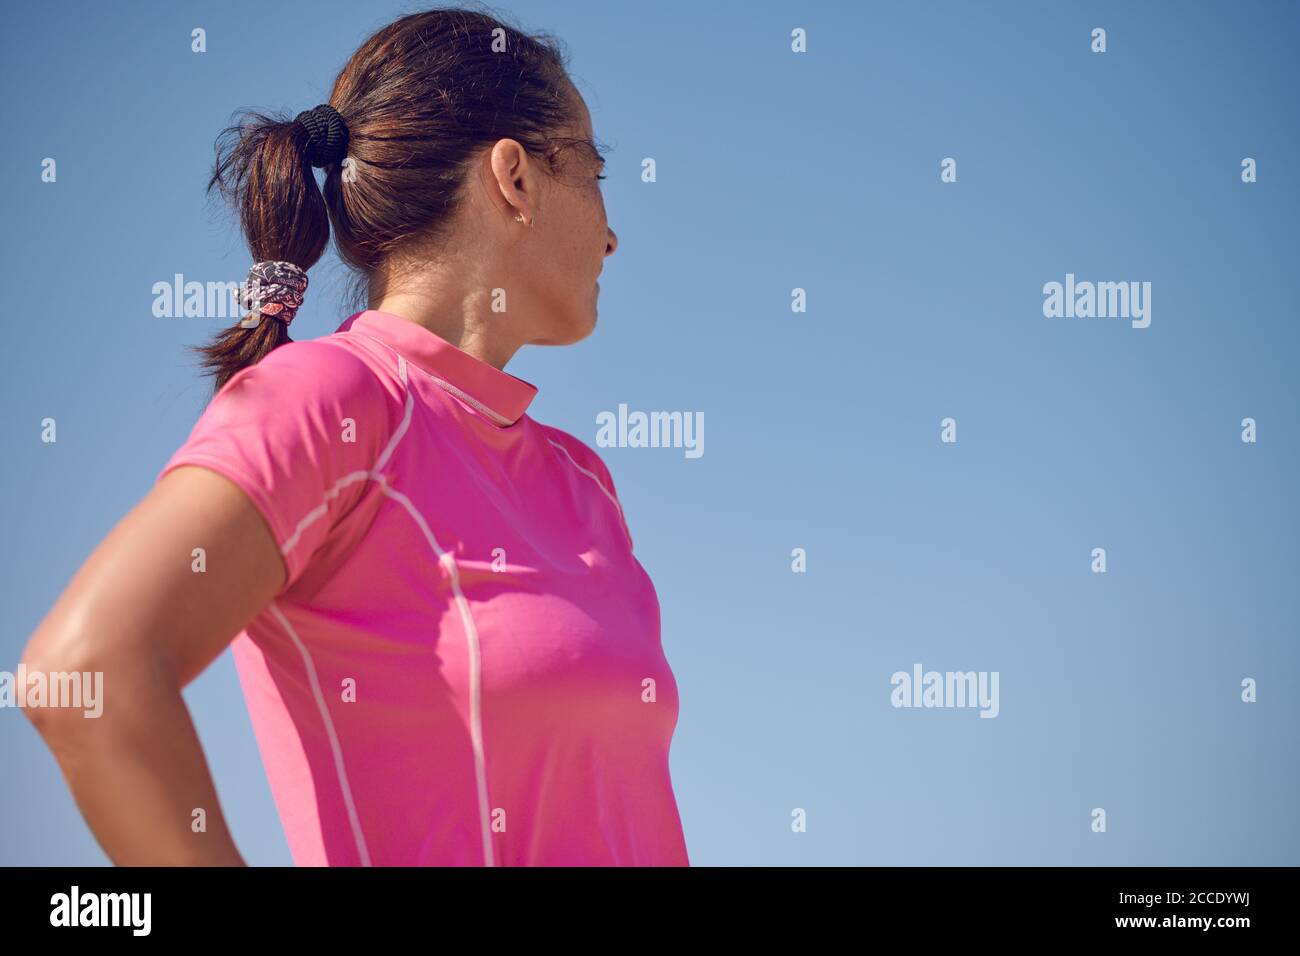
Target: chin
x,y
572,332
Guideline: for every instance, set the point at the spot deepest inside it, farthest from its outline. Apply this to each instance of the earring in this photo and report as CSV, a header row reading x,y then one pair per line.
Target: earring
x,y
520,218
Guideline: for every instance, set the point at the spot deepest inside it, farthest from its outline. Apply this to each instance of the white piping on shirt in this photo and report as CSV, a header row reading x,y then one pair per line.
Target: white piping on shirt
x,y
406,419
459,393
448,561
472,401
321,509
599,484
329,729
310,666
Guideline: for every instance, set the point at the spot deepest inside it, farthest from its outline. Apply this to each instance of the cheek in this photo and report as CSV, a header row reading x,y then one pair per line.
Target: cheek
x,y
573,250
593,216
583,244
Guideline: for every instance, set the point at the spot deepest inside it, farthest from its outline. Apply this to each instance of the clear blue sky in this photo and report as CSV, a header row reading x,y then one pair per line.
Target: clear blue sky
x,y
779,171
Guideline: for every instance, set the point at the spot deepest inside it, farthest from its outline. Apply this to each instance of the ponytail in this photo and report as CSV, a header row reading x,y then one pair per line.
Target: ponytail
x,y
423,96
264,169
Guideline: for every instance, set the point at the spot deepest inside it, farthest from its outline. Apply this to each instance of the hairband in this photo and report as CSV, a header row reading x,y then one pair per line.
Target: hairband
x,y
274,289
327,135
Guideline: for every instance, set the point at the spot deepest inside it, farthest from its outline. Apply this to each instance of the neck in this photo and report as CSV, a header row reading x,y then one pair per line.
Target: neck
x,y
458,320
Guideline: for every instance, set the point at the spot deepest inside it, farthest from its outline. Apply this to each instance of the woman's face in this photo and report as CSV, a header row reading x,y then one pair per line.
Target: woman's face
x,y
568,241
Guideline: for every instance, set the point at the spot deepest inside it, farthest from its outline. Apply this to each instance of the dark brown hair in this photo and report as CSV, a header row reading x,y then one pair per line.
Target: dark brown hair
x,y
420,98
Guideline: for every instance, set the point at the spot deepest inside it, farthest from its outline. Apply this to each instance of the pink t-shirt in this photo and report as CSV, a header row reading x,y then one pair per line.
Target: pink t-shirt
x,y
464,666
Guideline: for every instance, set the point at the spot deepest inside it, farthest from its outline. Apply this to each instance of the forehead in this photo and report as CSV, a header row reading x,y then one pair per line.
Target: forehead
x,y
582,116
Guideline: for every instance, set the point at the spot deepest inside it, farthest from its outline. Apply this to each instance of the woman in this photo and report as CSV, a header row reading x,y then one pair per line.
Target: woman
x,y
449,653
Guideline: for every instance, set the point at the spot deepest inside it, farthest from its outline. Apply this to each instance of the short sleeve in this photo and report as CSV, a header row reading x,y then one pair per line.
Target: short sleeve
x,y
299,433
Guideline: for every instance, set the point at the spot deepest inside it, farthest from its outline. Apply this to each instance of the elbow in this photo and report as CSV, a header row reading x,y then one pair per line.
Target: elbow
x,y
28,681
56,687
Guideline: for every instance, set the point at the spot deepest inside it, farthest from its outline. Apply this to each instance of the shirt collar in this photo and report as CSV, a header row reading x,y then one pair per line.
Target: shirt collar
x,y
502,397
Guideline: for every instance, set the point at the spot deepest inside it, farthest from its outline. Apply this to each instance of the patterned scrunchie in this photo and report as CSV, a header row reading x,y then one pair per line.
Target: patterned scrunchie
x,y
275,289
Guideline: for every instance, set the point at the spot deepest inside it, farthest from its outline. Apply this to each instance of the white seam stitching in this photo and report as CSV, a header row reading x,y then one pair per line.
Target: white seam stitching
x,y
471,400
599,484
335,747
290,543
459,393
406,418
475,663
322,509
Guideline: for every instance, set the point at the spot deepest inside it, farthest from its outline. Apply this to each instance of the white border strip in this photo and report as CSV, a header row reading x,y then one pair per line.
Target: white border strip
x,y
309,665
448,561
471,401
599,485
329,729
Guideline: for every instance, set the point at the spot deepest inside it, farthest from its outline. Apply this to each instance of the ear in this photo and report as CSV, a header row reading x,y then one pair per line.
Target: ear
x,y
514,180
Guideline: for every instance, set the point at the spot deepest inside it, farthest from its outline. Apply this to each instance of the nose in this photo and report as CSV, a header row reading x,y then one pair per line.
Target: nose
x,y
611,243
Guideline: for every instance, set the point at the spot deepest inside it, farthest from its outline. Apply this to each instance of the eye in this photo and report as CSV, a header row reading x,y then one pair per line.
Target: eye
x,y
602,177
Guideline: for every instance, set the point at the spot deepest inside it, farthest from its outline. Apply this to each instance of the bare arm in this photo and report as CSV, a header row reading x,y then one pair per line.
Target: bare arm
x,y
138,613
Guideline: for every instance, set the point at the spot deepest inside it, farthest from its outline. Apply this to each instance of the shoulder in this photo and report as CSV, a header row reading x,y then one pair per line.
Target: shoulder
x,y
301,397
581,455
332,363
584,458
326,373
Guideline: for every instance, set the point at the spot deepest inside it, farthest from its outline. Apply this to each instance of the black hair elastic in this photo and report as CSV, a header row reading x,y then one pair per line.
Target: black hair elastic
x,y
327,135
